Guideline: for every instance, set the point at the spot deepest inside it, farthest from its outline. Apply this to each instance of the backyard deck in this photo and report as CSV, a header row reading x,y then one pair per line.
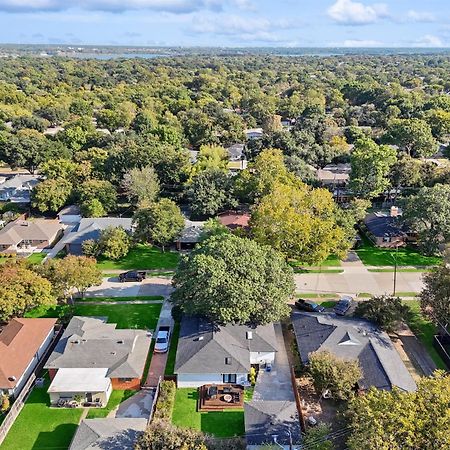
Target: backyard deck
x,y
220,397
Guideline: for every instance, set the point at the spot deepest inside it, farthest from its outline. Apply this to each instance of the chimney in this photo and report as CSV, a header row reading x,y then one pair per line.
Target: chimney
x,y
394,211
249,335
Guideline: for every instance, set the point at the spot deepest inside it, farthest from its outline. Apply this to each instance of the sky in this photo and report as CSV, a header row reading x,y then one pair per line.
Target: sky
x,y
228,23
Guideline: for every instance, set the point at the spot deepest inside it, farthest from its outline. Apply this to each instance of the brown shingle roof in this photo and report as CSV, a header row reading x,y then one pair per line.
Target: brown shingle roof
x,y
19,342
36,230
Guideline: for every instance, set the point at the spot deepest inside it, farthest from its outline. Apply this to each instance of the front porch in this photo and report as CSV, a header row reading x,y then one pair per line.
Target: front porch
x,y
220,397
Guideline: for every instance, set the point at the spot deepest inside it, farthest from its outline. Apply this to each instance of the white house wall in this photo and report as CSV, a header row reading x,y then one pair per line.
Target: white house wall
x,y
262,357
194,380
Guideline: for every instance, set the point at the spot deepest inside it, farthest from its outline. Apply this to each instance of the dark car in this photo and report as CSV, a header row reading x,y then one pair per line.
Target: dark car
x,y
343,305
305,305
133,275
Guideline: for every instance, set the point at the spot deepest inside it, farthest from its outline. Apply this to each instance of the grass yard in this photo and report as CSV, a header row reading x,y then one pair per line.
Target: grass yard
x,y
331,261
36,258
374,256
318,270
116,398
424,330
312,295
142,257
219,424
119,299
141,316
40,427
170,365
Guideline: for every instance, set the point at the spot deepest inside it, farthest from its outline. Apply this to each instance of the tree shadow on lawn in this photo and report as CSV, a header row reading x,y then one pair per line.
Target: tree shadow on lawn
x,y
59,438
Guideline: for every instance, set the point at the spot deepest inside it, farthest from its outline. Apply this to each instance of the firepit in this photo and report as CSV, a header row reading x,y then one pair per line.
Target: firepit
x,y
227,398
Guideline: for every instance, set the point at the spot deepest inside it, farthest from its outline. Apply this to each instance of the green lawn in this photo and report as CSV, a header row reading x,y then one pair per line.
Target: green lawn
x,y
142,257
331,261
170,365
374,256
119,299
40,427
36,258
142,316
220,424
312,295
296,270
424,330
117,397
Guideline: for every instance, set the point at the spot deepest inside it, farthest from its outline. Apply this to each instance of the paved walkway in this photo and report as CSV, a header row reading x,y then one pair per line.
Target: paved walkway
x,y
125,302
276,385
138,406
159,360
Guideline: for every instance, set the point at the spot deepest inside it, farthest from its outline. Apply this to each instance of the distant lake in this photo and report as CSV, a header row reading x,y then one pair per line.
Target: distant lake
x,y
106,56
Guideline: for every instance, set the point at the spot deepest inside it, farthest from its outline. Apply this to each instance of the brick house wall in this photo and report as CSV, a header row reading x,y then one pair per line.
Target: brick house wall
x,y
124,384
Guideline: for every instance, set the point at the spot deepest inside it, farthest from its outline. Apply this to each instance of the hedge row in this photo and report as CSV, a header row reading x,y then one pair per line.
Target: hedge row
x,y
166,401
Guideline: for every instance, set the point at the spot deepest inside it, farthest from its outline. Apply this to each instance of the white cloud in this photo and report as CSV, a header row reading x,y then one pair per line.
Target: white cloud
x,y
348,12
429,40
173,6
420,16
360,43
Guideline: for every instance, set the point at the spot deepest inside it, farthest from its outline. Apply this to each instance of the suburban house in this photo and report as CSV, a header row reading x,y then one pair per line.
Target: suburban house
x,y
93,357
70,215
385,229
334,175
110,433
27,236
17,189
90,228
237,159
275,421
214,354
353,339
190,234
23,343
254,133
234,219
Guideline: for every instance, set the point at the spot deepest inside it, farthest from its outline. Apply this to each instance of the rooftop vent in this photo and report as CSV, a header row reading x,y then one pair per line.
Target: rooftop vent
x,y
76,341
13,378
120,341
200,338
228,361
249,335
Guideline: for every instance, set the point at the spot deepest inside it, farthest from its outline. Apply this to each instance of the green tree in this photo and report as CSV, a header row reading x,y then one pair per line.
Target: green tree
x,y
21,290
386,311
435,296
160,223
51,195
4,403
59,168
162,435
92,208
113,243
428,214
316,438
213,227
398,420
71,273
371,164
299,222
141,185
413,136
101,190
333,374
439,121
233,280
210,157
210,192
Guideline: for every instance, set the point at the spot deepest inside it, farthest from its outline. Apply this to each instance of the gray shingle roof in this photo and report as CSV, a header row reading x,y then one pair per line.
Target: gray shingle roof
x,y
91,228
203,346
353,339
264,419
91,342
384,226
107,434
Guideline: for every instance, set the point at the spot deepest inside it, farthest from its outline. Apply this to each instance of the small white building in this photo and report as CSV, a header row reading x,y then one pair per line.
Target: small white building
x,y
254,133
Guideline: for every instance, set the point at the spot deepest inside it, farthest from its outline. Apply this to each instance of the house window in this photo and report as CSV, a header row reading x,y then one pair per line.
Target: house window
x,y
229,377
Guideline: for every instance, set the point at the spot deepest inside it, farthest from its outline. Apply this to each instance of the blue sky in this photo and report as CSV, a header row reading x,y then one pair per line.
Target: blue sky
x,y
236,23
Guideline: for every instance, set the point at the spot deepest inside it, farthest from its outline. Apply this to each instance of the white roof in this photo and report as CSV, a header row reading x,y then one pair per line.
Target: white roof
x,y
80,380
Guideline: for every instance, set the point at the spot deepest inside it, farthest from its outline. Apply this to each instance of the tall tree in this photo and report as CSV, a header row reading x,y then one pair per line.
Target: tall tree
x,y
428,214
398,420
21,290
211,192
51,195
141,185
210,157
414,136
234,280
113,243
300,222
101,190
371,164
160,223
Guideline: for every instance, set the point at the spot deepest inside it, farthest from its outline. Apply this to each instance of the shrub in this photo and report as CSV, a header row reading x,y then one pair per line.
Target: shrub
x,y
166,401
4,403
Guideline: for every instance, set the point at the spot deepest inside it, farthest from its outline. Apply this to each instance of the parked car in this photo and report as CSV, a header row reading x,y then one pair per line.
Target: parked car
x,y
306,305
343,305
162,340
132,275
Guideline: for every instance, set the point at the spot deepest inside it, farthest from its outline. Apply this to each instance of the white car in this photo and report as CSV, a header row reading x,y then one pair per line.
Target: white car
x,y
162,340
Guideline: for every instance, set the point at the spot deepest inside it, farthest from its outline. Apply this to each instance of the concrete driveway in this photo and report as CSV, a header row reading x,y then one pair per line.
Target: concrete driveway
x,y
358,279
111,287
138,406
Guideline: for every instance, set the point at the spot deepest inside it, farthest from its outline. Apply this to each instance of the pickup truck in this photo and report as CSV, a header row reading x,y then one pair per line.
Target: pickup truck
x,y
132,275
162,340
